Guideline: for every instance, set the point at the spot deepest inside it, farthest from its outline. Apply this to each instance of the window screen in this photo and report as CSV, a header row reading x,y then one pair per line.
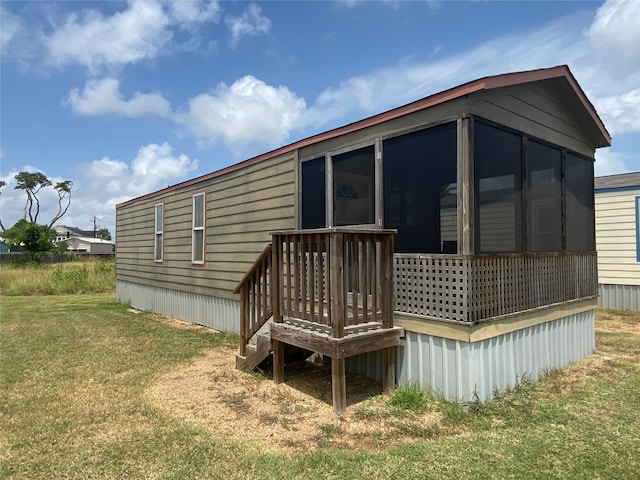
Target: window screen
x,y
420,191
498,190
579,203
544,197
313,194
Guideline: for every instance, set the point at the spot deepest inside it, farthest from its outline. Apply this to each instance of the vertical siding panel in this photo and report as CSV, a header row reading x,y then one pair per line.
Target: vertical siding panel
x,y
619,297
463,371
217,313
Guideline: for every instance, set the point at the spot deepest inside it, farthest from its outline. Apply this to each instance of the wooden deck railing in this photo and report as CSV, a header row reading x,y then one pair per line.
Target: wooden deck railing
x,y
472,288
334,277
255,298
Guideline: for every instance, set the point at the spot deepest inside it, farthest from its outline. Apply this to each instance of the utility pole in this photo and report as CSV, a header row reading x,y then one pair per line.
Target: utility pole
x,y
95,228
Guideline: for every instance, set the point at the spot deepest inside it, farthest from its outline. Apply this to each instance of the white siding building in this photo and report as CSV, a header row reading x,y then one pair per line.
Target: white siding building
x,y
95,246
617,204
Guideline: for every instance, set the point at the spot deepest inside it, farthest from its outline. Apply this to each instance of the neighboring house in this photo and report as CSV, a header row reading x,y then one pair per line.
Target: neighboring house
x,y
3,246
617,199
91,245
64,232
492,274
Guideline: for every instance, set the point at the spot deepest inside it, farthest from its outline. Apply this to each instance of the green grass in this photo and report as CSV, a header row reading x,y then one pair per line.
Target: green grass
x,y
91,276
410,398
75,370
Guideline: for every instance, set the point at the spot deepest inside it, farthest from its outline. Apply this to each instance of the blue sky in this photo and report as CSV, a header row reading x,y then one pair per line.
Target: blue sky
x,y
124,98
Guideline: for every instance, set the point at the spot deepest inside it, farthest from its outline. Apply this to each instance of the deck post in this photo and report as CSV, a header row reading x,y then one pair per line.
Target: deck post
x,y
388,368
387,275
337,290
338,385
336,315
244,320
276,293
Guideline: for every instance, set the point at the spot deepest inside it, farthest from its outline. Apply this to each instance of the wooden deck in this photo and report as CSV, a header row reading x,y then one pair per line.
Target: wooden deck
x,y
327,290
334,291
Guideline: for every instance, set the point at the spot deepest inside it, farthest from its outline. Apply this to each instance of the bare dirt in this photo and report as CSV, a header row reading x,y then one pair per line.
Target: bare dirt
x,y
298,415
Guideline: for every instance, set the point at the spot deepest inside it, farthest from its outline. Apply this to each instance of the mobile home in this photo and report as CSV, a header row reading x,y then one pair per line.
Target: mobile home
x,y
617,200
449,242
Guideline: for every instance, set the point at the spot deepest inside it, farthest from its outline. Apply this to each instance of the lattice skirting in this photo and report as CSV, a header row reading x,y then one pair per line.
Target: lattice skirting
x,y
464,371
213,312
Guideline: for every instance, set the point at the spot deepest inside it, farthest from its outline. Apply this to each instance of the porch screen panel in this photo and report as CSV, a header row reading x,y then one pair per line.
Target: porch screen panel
x,y
498,190
580,204
313,193
420,190
544,197
354,187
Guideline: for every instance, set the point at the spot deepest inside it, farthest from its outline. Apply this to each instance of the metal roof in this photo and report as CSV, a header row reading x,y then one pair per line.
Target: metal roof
x,y
560,72
623,180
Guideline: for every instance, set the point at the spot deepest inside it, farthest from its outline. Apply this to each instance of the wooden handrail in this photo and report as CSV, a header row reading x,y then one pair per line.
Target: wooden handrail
x,y
266,252
335,277
255,298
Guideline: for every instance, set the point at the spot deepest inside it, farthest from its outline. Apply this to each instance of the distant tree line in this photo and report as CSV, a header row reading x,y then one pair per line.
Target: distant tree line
x,y
27,233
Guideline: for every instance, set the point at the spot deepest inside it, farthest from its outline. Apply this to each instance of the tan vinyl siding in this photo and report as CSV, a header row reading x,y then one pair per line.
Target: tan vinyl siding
x,y
448,224
535,110
498,234
242,207
616,237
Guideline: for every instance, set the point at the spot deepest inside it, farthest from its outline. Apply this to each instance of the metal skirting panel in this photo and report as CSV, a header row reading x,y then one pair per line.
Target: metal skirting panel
x,y
619,297
464,371
213,312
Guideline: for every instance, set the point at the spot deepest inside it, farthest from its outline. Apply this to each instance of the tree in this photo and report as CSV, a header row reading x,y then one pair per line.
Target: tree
x,y
30,236
103,234
32,183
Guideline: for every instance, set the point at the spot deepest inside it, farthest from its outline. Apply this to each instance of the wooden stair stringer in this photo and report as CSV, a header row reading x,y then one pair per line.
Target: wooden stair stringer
x,y
256,354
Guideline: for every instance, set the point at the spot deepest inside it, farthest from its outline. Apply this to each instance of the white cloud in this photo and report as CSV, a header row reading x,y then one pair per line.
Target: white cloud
x,y
141,32
250,24
609,162
249,111
621,111
100,185
106,182
615,35
93,40
611,79
188,12
11,26
104,97
153,167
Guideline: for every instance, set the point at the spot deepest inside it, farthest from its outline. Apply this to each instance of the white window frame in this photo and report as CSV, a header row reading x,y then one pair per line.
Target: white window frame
x,y
158,239
198,228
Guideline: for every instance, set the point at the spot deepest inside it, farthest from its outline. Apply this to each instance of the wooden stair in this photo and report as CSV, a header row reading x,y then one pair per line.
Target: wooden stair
x,y
255,355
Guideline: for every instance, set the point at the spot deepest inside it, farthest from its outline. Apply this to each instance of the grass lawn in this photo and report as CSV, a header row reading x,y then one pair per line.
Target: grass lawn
x,y
75,375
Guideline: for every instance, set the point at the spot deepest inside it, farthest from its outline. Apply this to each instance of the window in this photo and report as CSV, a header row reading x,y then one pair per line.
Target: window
x,y
580,223
544,197
498,190
314,205
420,191
159,236
354,187
197,244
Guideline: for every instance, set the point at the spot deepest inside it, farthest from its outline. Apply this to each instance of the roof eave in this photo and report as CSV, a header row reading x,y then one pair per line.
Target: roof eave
x,y
485,83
